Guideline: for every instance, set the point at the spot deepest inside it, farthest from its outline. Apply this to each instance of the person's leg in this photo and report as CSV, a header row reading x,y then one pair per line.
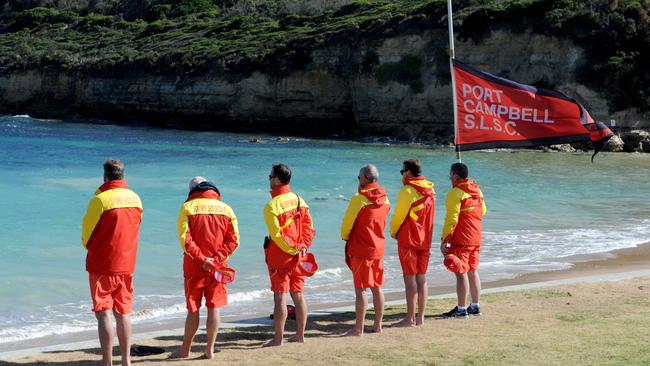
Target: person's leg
x,y
301,316
423,294
360,306
474,286
472,274
212,328
378,304
191,326
279,318
105,330
411,296
461,289
124,336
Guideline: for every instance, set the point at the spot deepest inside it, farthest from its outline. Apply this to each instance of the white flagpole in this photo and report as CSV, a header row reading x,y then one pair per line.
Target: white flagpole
x,y
452,55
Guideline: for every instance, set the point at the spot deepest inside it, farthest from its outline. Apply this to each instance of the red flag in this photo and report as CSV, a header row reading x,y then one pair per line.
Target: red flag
x,y
495,112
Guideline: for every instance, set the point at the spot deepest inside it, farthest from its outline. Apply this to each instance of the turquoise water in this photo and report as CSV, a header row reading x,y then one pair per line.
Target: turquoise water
x,y
541,206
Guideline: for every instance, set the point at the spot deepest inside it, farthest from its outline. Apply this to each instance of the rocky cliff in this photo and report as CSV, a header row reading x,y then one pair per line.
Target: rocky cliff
x,y
396,84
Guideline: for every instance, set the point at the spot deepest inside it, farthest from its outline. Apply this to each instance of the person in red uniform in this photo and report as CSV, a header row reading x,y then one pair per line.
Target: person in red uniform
x,y
291,233
363,230
109,233
412,226
209,235
461,237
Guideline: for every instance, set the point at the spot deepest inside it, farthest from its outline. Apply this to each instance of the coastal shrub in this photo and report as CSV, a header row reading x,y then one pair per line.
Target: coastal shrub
x,y
94,22
356,6
36,17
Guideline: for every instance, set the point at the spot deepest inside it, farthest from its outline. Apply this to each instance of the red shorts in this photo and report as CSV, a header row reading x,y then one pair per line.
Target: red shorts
x,y
367,273
414,262
112,292
469,256
197,287
287,280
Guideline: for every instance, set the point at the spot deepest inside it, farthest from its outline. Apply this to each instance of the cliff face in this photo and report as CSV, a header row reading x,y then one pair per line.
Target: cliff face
x,y
397,86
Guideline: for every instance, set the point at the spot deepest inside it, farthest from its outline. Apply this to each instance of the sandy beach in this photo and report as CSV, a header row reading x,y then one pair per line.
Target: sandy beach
x,y
528,320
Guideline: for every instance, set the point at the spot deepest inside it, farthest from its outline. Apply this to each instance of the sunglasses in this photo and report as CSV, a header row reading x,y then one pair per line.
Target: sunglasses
x,y
271,176
402,171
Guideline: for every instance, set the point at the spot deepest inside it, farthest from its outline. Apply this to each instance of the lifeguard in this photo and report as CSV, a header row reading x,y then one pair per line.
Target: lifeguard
x,y
412,226
109,232
290,235
363,230
209,235
462,235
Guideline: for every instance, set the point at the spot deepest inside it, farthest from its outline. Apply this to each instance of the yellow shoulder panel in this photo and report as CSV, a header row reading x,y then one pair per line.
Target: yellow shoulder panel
x,y
407,195
357,202
452,202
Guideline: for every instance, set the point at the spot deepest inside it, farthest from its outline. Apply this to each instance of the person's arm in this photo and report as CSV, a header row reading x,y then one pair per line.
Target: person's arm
x,y
351,213
185,237
231,240
91,218
453,203
273,227
483,204
308,231
404,201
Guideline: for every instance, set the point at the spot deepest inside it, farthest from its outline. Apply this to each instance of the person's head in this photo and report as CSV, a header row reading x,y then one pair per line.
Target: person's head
x,y
458,171
113,169
280,175
368,174
411,168
195,181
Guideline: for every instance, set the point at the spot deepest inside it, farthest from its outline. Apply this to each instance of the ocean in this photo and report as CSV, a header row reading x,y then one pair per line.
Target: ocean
x,y
541,207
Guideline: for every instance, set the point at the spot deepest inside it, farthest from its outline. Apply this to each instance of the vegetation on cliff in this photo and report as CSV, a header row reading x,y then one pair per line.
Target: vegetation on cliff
x,y
237,37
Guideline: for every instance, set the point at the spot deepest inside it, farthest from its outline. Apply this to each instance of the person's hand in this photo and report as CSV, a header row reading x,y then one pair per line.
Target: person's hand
x,y
207,264
444,248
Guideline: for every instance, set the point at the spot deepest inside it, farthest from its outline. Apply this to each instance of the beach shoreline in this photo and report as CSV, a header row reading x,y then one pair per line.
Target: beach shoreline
x,y
581,266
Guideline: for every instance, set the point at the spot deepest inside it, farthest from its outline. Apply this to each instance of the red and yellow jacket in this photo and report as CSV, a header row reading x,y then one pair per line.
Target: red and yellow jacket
x,y
364,222
110,229
290,228
465,211
207,228
412,223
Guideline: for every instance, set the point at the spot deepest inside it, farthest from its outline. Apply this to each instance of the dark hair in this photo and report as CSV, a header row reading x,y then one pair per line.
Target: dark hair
x,y
460,169
414,166
282,172
113,169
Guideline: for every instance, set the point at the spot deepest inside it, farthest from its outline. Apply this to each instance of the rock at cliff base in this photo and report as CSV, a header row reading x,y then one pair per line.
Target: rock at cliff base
x,y
615,144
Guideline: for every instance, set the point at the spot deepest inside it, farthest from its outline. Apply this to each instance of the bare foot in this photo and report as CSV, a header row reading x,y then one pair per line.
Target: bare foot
x,y
296,339
272,343
353,332
372,329
179,353
404,323
419,322
208,354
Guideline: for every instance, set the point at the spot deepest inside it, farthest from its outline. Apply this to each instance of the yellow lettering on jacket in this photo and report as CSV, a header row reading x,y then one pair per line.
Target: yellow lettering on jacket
x,y
119,198
206,206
